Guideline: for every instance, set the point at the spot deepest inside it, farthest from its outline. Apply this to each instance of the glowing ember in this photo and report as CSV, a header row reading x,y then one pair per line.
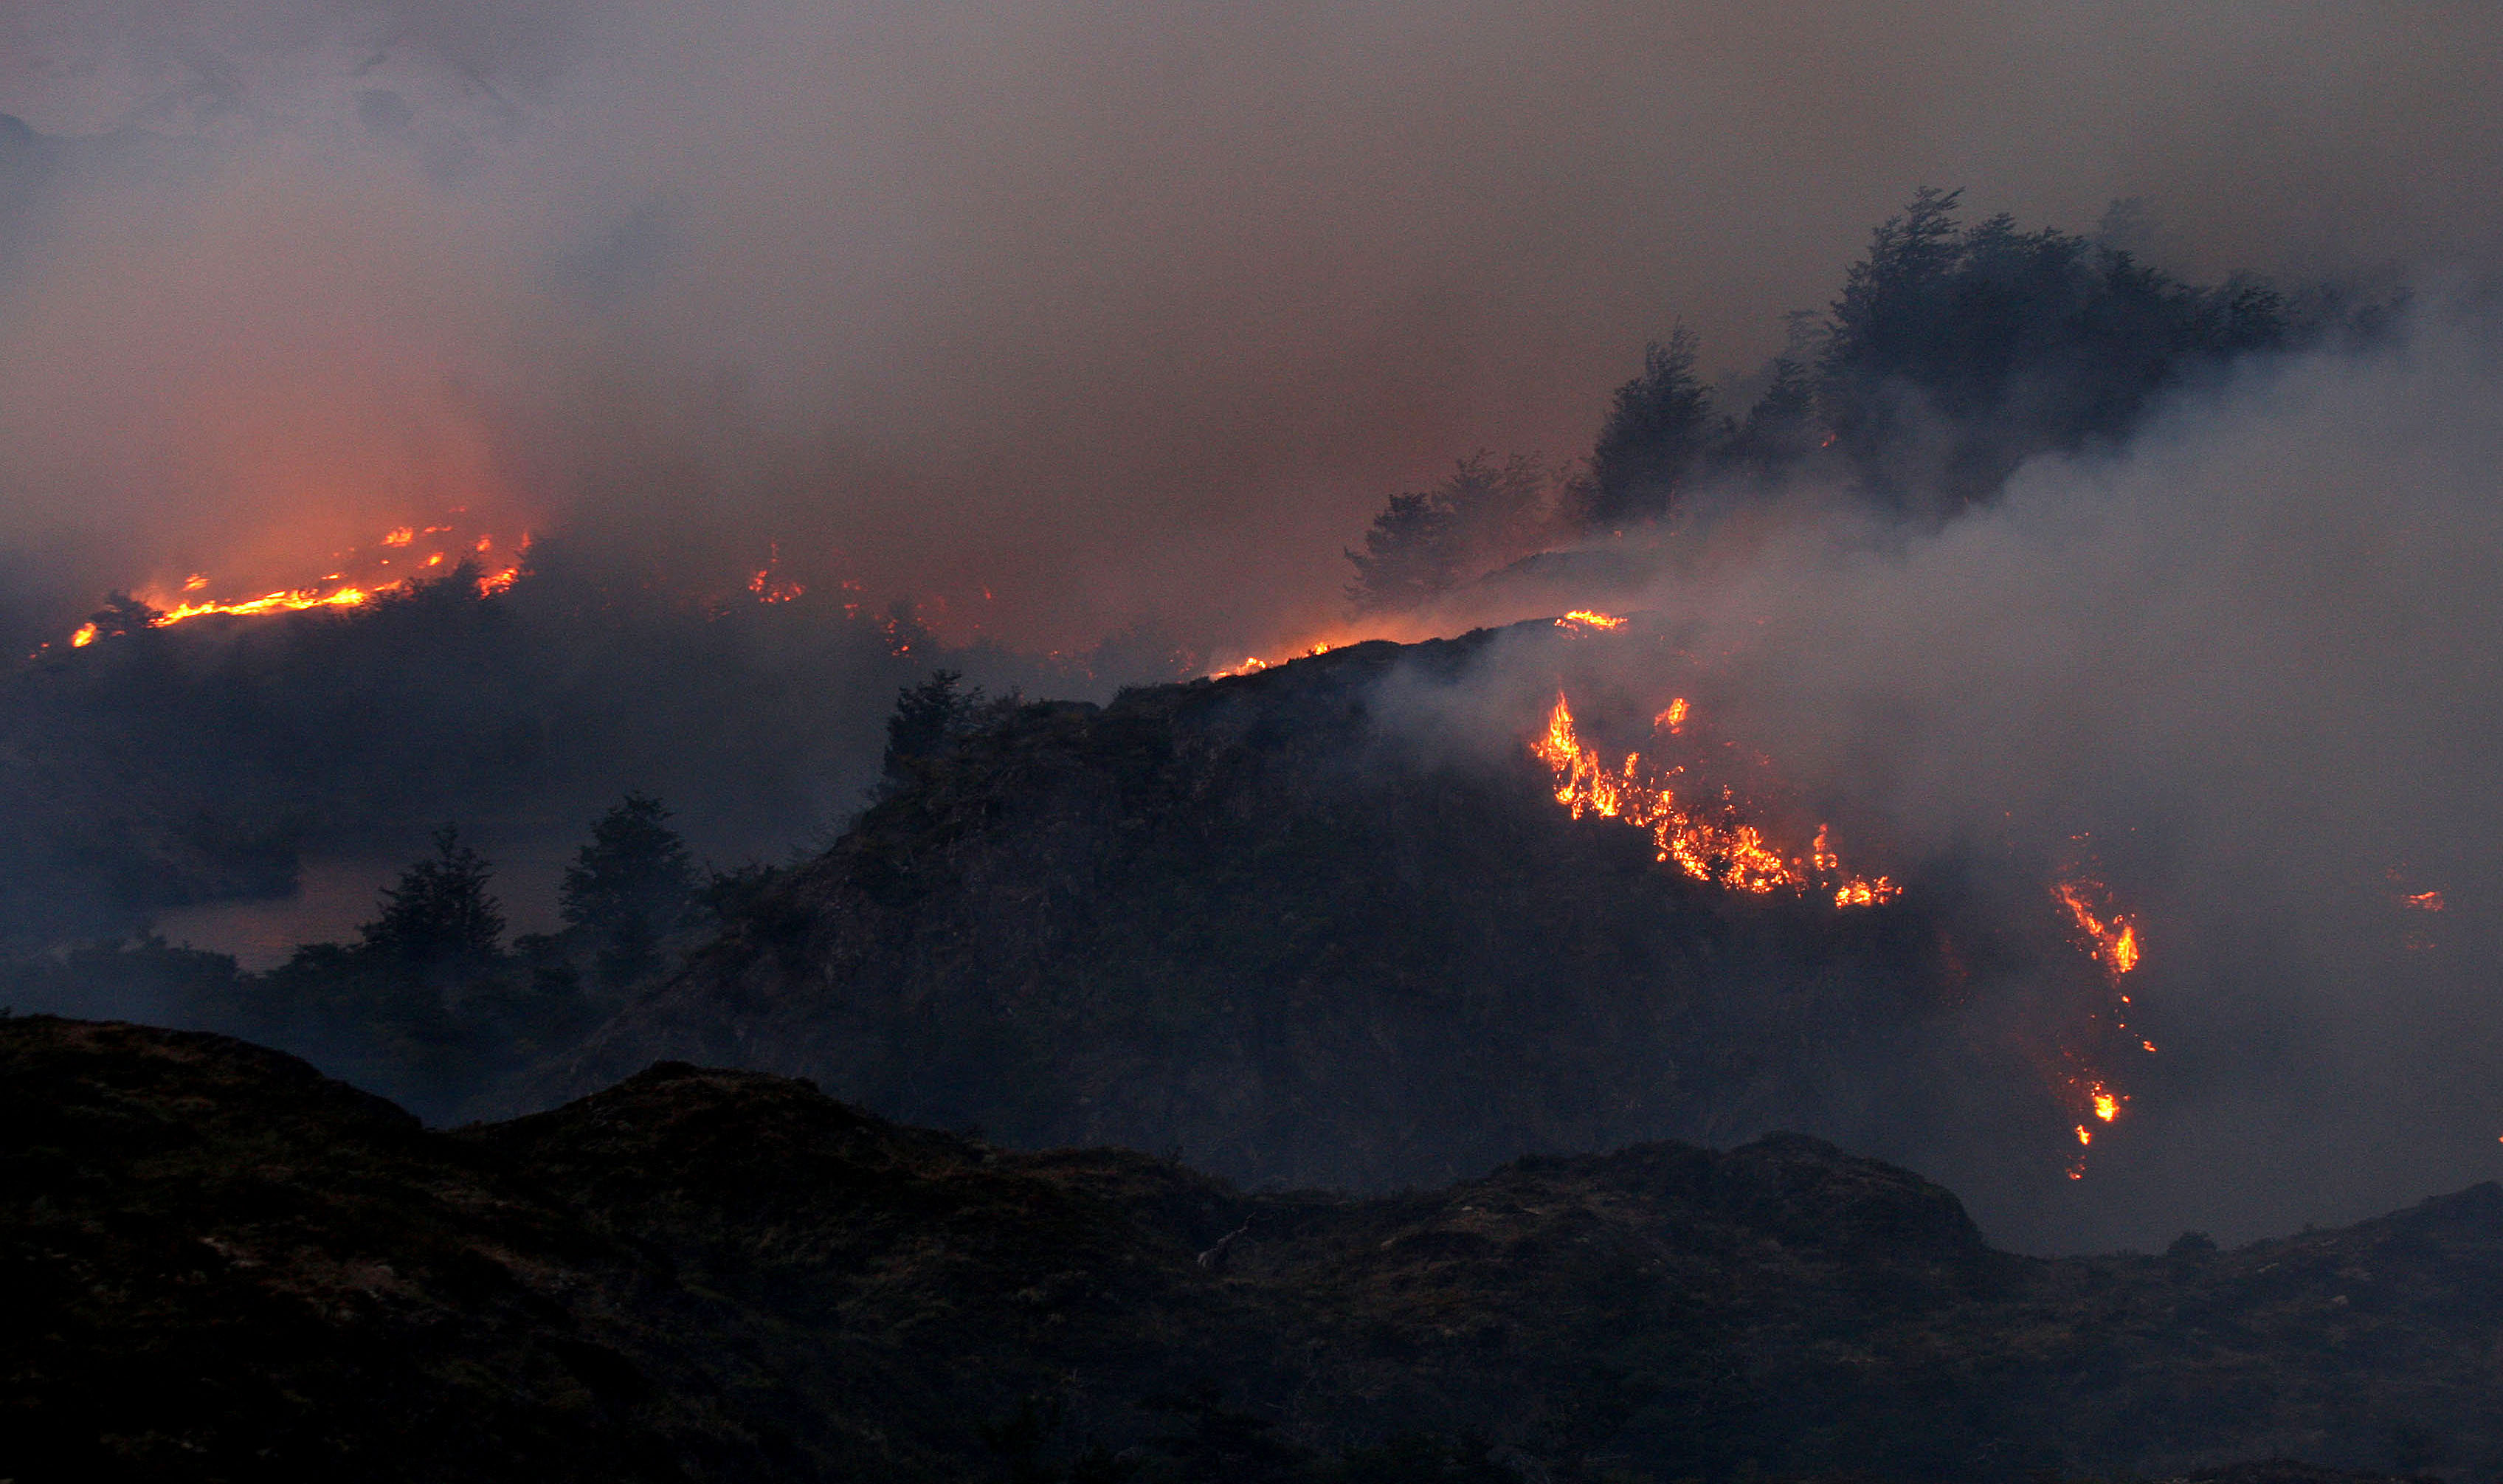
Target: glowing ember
x,y
2424,901
2109,937
1673,719
1712,843
2113,936
1253,664
771,587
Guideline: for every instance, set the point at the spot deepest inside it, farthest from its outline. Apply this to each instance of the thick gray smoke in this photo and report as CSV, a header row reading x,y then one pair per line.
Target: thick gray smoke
x,y
1120,311
1107,309
2252,660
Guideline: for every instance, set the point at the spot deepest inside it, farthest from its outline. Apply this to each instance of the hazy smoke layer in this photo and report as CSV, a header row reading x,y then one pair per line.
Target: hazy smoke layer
x,y
2253,660
1079,315
1101,309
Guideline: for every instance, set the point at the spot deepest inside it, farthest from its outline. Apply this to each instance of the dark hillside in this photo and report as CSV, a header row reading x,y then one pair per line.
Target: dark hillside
x,y
1308,934
219,1265
1283,924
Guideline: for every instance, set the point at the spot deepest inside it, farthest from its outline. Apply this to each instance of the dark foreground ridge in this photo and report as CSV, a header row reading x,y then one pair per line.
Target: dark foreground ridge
x,y
217,1265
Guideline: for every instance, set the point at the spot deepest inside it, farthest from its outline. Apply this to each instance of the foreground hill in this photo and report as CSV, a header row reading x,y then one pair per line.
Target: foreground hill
x,y
218,1265
1299,928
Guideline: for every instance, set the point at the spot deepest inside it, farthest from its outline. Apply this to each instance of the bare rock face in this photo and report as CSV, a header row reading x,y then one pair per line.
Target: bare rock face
x,y
219,1265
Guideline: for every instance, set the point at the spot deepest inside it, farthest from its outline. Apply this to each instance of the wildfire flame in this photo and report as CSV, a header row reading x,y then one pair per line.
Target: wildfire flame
x,y
2109,937
1253,664
1586,619
769,585
2114,936
169,610
1711,843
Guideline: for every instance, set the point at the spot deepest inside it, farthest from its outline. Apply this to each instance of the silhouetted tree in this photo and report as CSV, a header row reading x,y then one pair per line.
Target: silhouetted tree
x,y
629,888
1956,353
1485,513
1406,558
927,718
122,615
439,915
1657,430
1780,429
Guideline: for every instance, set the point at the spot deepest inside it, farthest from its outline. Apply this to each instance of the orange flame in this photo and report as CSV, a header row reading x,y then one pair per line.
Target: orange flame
x,y
1585,618
175,608
1253,664
2109,937
2114,936
1717,847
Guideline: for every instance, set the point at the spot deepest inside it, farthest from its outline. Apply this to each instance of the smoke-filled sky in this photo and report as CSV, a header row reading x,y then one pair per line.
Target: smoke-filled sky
x,y
1111,309
1139,311
2249,670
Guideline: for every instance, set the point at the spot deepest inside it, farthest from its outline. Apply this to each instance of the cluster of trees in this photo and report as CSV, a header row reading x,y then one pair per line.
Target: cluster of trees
x,y
1955,352
159,767
430,1005
1486,512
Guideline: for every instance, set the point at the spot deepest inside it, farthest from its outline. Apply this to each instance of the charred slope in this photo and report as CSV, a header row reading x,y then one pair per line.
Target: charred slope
x,y
220,1266
1265,922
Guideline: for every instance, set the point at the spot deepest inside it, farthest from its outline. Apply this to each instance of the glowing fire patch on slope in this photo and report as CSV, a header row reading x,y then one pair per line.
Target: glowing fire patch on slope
x,y
1715,842
2109,937
1253,664
2113,935
769,585
1711,843
405,556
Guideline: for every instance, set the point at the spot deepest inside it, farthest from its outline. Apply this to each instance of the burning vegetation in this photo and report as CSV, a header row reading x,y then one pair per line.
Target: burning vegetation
x,y
2109,936
398,560
1715,841
1719,837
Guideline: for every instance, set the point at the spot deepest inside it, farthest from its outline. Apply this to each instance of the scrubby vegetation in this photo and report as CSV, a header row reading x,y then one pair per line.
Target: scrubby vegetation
x,y
213,1264
159,767
430,1005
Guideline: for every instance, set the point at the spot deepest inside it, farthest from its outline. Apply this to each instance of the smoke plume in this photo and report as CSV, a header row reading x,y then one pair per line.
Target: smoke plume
x,y
1106,310
2246,666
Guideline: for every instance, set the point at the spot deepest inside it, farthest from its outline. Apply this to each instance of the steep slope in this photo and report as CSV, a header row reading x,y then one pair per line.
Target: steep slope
x,y
220,1266
1297,928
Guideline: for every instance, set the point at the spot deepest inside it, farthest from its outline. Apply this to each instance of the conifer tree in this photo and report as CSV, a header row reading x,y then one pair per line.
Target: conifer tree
x,y
629,888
